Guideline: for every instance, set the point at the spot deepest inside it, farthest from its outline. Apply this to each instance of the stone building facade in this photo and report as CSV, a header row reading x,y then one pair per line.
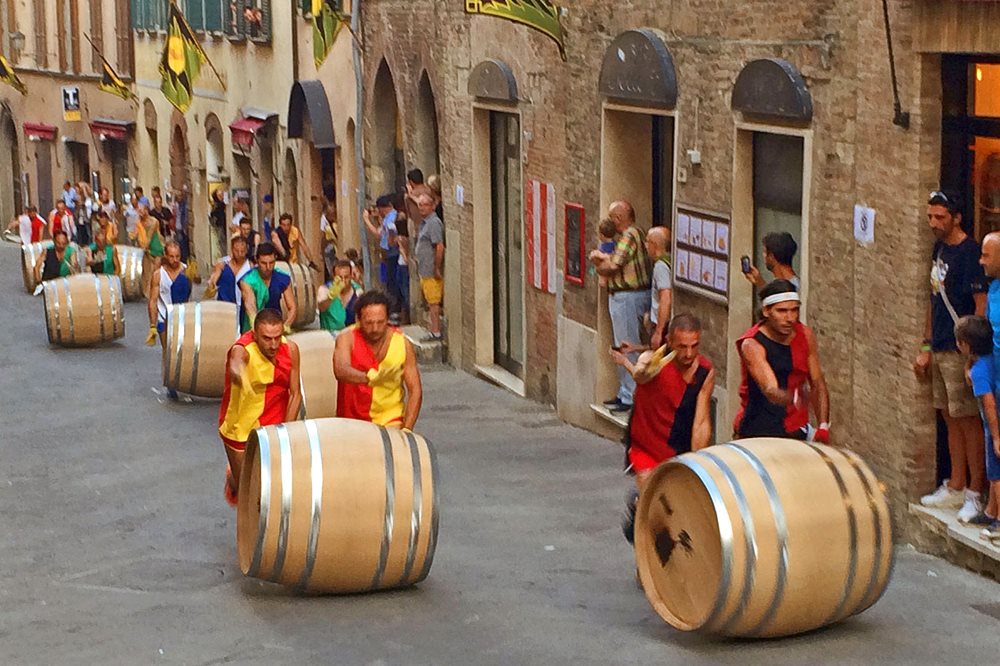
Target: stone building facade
x,y
44,142
753,116
273,124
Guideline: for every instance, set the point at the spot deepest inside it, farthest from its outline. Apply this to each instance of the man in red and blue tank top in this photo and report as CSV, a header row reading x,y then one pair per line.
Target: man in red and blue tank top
x,y
781,374
670,415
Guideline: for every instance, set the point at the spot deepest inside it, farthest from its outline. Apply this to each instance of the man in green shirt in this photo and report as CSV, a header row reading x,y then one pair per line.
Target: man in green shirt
x,y
101,257
336,299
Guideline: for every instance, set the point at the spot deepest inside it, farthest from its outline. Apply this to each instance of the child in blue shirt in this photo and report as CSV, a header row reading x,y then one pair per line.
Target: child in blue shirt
x,y
974,336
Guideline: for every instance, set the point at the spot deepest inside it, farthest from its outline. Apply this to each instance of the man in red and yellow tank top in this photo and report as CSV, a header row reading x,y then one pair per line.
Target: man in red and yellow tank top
x,y
781,374
261,389
672,400
376,369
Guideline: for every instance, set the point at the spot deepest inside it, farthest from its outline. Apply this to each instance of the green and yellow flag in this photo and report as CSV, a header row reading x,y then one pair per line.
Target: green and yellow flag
x,y
542,15
112,83
10,77
327,21
181,62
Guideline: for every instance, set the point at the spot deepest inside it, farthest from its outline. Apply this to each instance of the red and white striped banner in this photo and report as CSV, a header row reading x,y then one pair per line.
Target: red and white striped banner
x,y
540,235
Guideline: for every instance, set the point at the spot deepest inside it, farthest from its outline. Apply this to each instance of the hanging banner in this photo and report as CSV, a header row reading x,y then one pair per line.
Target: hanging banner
x,y
540,235
327,21
541,15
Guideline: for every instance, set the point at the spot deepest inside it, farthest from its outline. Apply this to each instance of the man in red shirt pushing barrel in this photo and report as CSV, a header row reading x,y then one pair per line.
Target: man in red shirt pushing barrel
x,y
671,404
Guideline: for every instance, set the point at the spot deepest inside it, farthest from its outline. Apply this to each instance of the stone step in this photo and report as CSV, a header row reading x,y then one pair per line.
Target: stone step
x,y
428,352
942,535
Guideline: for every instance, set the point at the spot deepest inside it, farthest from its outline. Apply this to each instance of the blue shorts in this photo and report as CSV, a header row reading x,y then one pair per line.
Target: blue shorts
x,y
992,461
161,326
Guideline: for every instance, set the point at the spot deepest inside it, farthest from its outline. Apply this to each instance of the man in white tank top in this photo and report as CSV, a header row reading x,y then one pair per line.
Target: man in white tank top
x,y
168,287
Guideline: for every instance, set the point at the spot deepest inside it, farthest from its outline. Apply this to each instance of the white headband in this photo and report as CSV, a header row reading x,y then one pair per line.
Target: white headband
x,y
779,298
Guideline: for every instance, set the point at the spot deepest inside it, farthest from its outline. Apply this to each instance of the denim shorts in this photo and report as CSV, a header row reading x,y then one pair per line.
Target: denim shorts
x,y
992,461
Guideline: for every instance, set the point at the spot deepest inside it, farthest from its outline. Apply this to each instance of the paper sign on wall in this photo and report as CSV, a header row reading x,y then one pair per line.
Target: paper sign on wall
x,y
864,224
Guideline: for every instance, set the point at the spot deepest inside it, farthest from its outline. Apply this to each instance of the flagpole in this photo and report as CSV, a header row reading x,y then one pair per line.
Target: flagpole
x,y
211,66
133,97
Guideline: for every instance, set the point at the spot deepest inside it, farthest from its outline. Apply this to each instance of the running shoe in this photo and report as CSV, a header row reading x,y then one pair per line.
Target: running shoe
x,y
971,508
944,498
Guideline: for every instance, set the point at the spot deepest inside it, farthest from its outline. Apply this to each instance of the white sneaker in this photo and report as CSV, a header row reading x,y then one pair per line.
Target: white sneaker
x,y
970,508
944,498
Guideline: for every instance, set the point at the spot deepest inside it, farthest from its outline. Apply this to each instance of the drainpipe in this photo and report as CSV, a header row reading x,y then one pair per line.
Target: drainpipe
x,y
295,40
358,142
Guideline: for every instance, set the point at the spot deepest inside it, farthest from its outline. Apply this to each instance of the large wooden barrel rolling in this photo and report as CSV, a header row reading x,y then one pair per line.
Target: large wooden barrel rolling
x,y
337,506
83,310
130,267
29,255
317,383
303,292
763,538
199,336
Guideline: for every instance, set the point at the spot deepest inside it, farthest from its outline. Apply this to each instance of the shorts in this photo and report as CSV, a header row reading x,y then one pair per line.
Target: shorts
x,y
233,444
433,289
161,326
641,461
992,460
951,392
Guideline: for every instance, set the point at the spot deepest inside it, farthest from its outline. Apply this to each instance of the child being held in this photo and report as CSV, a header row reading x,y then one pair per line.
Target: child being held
x,y
975,339
607,235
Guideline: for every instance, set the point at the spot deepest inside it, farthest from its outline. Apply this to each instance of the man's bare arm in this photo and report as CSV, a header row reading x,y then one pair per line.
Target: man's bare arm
x,y
414,388
249,301
294,392
817,381
342,368
756,359
291,308
701,433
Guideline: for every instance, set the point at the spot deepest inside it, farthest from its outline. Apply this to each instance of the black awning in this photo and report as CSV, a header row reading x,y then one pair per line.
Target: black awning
x,y
493,79
308,99
772,87
638,69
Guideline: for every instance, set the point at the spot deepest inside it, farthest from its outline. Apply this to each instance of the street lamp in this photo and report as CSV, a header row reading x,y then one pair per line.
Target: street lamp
x,y
17,41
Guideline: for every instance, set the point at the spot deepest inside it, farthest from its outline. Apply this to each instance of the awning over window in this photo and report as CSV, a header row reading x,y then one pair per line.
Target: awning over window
x,y
308,101
40,131
110,128
244,131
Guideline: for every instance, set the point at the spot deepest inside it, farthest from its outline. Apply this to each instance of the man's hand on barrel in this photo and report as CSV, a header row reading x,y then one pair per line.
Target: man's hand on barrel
x,y
384,375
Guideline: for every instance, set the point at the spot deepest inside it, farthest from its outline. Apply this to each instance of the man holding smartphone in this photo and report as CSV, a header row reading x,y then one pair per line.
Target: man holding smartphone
x,y
779,252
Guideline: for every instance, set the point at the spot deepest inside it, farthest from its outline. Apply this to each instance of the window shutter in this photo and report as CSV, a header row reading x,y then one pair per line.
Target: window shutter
x,y
123,20
41,43
265,20
214,13
96,35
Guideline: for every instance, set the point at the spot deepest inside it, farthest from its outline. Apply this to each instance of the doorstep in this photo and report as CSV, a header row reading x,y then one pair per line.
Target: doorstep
x,y
427,351
494,374
955,541
619,420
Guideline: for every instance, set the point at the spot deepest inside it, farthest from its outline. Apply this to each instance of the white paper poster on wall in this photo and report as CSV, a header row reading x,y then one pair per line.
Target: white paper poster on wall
x,y
683,228
459,195
681,265
864,224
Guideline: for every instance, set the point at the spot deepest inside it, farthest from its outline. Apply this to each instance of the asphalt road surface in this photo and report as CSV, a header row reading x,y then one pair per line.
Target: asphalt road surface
x,y
118,547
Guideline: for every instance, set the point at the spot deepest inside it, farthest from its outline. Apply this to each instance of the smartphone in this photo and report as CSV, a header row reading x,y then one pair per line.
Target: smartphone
x,y
745,263
616,348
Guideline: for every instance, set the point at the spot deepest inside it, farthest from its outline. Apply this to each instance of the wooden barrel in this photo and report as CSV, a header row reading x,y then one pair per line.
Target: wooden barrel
x,y
318,385
130,271
29,255
763,538
84,309
303,292
199,336
336,505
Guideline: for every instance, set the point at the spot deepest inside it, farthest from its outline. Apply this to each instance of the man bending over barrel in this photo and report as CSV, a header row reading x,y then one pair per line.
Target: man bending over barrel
x,y
781,372
672,402
261,389
264,287
373,363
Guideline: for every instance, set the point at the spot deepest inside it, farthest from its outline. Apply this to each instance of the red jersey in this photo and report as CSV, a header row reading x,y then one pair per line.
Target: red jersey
x,y
37,228
758,417
663,415
267,401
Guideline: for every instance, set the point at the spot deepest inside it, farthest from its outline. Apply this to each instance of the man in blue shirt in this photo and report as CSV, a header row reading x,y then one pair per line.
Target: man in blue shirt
x,y
389,245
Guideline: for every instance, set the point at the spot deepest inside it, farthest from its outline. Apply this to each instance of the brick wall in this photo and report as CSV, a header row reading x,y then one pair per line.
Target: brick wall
x,y
866,304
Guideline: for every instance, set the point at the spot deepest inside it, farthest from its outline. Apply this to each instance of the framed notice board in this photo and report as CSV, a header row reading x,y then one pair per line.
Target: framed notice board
x,y
701,252
576,229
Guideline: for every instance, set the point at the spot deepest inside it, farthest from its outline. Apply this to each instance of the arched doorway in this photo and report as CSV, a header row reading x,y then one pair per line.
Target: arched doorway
x,y
215,157
290,186
348,212
309,119
425,143
10,164
388,173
